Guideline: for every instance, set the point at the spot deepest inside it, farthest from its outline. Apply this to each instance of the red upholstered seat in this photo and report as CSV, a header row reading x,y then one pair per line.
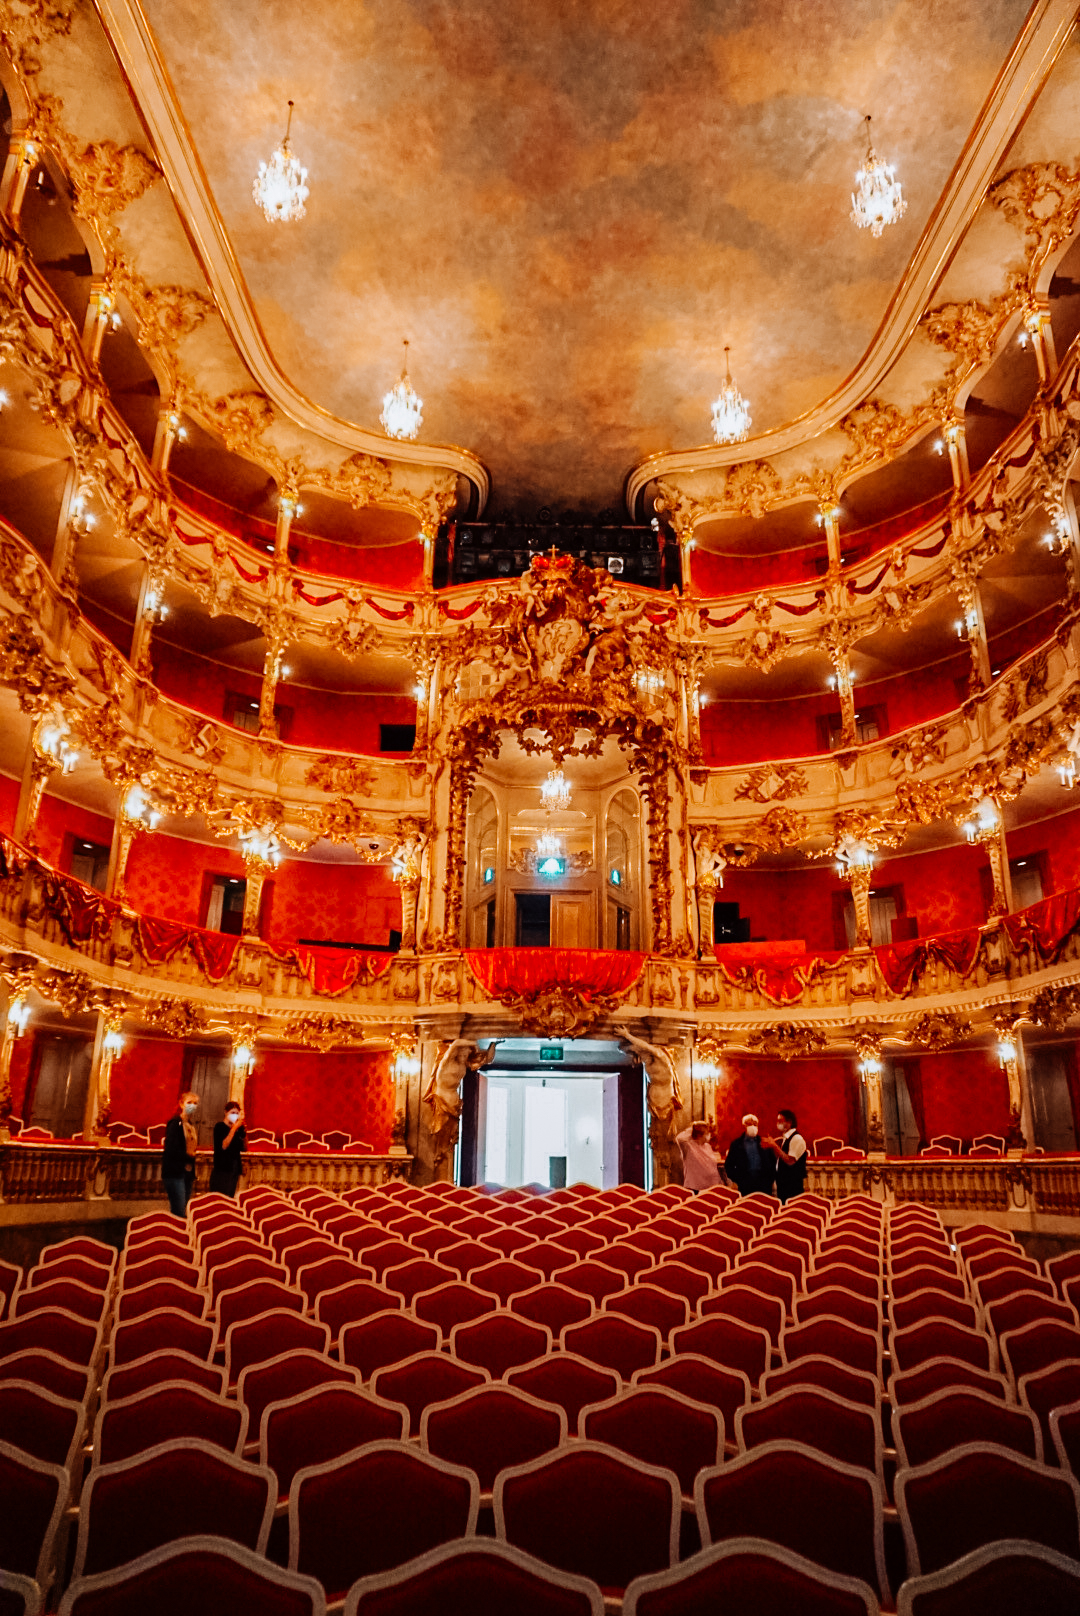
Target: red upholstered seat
x,y
566,1380
834,1302
854,1385
938,1374
158,1293
922,1277
830,1512
86,1270
475,1575
1014,1575
505,1277
319,1248
748,1305
942,1338
978,1494
19,1595
958,1415
163,1413
553,1305
850,1432
702,1381
70,1295
761,1276
420,1274
218,1577
352,1302
492,1428
286,1376
590,1511
1046,1389
591,1278
255,1341
124,1380
175,1490
931,1303
35,1495
628,1260
498,1342
250,1300
847,1276
238,1262
46,1369
614,1342
52,1330
377,1507
1006,1283
660,1427
40,1423
1027,1307
1061,1269
646,1304
388,1254
386,1338
425,1378
79,1246
548,1257
831,1337
368,1236
323,1423
1065,1432
141,1271
1037,1346
745,1578
728,1342
692,1284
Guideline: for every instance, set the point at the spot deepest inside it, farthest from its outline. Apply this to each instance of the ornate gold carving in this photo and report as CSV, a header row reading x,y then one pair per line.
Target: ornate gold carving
x,y
559,1012
773,782
341,774
939,1029
239,418
108,178
780,829
1042,200
1026,687
785,1040
362,480
177,1017
322,1032
344,821
919,749
762,649
1054,1007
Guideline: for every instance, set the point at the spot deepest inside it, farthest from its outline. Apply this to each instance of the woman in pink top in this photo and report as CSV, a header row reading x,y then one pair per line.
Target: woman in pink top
x,y
700,1161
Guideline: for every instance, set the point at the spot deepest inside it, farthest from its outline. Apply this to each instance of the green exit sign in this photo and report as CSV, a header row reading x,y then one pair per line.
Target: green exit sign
x,y
551,1052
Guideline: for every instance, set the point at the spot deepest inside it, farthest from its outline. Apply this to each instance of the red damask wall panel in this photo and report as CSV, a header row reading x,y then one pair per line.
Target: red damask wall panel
x,y
942,890
22,1056
9,803
340,903
303,1089
345,720
146,1081
166,875
786,904
199,683
389,566
1013,643
756,731
965,1092
824,1094
918,695
716,576
1059,839
58,819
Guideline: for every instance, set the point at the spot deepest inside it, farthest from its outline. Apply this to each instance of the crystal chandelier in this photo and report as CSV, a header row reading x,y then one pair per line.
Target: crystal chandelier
x,y
878,200
730,413
556,790
280,187
401,417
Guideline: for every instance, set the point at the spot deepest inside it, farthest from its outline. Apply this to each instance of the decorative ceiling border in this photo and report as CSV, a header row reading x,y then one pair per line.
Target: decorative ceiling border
x,y
155,100
1021,78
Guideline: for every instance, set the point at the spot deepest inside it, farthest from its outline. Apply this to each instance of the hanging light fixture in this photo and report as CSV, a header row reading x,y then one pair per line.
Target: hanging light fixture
x,y
401,417
555,790
878,200
730,412
280,187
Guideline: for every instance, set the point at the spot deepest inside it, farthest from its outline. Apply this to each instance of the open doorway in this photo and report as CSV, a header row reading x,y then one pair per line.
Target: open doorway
x,y
553,1113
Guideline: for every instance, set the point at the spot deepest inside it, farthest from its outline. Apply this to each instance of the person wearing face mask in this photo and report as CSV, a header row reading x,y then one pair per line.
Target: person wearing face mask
x,y
750,1167
178,1154
228,1145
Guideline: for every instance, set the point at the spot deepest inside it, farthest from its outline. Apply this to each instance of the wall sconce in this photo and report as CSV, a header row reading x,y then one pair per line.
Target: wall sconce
x,y
113,1043
138,807
19,1015
54,741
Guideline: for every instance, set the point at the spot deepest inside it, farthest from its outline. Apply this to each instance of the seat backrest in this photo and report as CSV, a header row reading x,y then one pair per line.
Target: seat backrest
x,y
163,1413
286,1376
831,1513
931,1303
837,1303
832,1337
140,1271
1065,1433
592,1278
255,1341
660,1427
35,1495
906,1282
315,1426
614,1342
352,1302
939,1374
1013,1575
553,1305
841,1274
1014,1312
410,1279
45,1426
133,1302
850,1432
591,1511
728,1342
498,1342
163,1330
19,1595
744,1578
230,1578
475,1574
1046,1389
69,1294
55,1374
425,1378
386,1338
854,1385
171,1491
1036,1346
646,1304
958,1415
86,1270
376,1508
53,1330
942,1338
491,1428
567,1381
258,1296
124,1380
80,1246
977,1494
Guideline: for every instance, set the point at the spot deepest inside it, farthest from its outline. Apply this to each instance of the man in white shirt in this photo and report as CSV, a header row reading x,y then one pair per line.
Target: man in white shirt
x,y
789,1148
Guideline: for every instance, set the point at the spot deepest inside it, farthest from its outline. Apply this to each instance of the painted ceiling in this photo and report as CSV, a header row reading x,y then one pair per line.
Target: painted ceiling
x,y
569,208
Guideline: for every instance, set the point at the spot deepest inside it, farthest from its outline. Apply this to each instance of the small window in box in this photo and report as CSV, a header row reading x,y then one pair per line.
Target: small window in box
x,y
870,724
225,910
243,713
89,863
397,737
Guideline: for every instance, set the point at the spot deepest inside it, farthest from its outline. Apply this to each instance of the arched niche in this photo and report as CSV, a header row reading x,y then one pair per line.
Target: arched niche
x,y
483,859
622,871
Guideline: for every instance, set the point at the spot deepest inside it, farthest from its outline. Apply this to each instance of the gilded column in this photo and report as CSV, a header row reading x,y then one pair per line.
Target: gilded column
x,y
1013,1059
21,161
16,1015
868,1049
108,1043
972,628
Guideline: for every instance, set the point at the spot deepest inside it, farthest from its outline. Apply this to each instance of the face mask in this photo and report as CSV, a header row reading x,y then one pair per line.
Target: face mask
x,y
190,1110
751,1132
231,1117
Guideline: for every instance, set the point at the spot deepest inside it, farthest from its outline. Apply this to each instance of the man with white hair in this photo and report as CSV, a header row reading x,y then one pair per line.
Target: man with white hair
x,y
750,1167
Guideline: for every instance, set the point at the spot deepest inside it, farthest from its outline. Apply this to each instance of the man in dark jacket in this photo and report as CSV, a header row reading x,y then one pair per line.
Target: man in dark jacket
x,y
750,1167
789,1148
229,1141
178,1154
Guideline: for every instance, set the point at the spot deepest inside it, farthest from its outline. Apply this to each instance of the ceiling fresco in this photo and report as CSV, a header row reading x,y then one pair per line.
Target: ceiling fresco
x,y
570,208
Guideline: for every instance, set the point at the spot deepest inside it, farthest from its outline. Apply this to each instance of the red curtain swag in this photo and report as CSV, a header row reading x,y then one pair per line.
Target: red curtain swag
x,y
506,973
214,951
82,912
332,970
903,963
1046,926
